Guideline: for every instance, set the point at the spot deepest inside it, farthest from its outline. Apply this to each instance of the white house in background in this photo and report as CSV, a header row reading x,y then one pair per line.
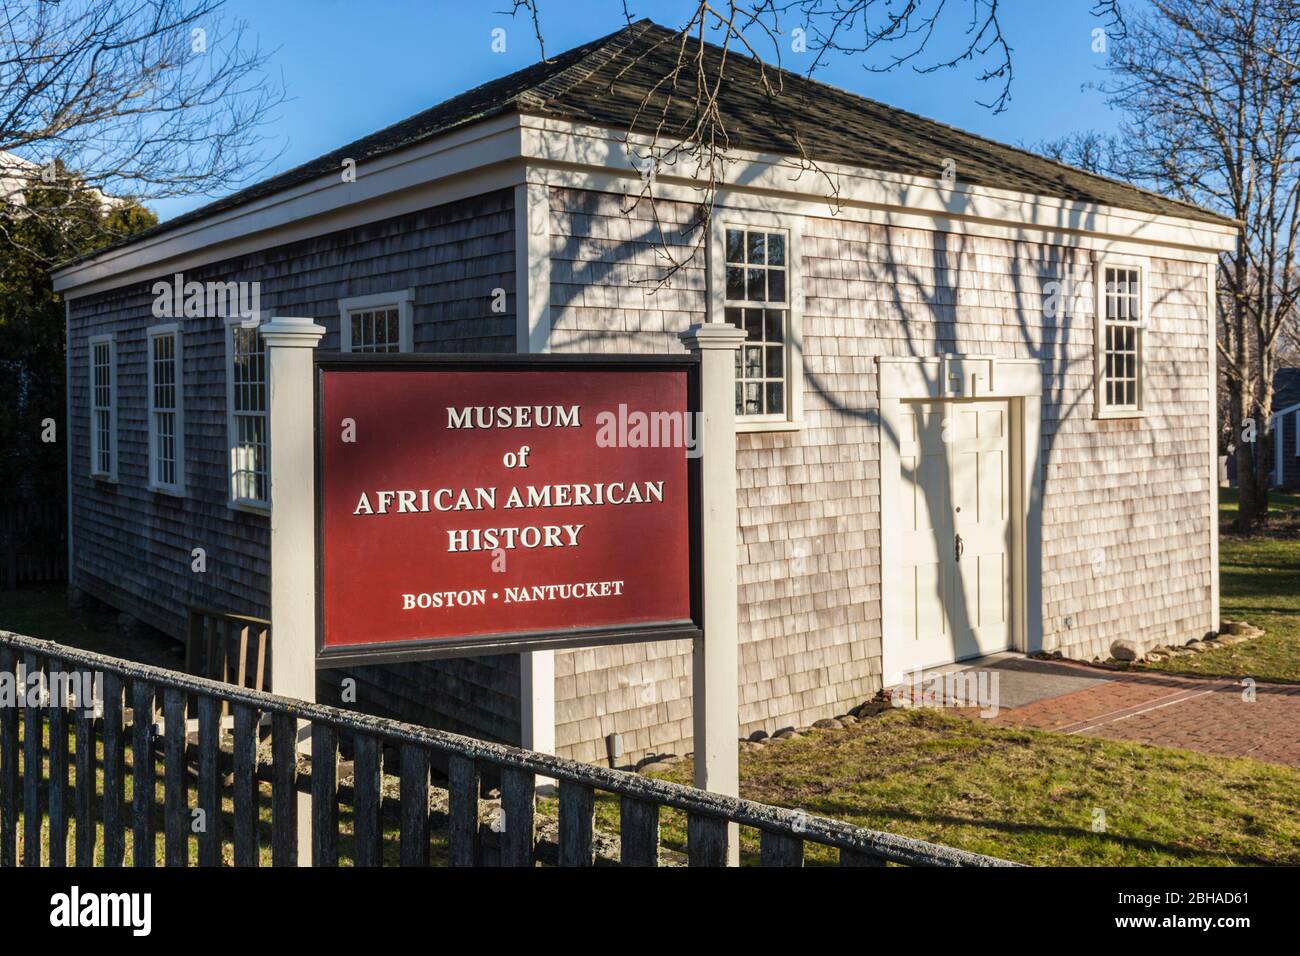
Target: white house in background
x,y
1285,428
975,414
16,174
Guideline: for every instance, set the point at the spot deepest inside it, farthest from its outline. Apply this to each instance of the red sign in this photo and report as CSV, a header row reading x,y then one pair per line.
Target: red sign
x,y
491,506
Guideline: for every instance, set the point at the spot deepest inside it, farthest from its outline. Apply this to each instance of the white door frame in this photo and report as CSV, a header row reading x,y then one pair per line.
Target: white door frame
x,y
966,377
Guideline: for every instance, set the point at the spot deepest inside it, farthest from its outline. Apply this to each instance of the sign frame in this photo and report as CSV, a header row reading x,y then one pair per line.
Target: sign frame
x,y
511,642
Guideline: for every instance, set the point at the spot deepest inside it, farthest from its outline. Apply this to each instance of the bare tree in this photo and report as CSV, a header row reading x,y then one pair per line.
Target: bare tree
x,y
680,123
140,99
1211,94
1089,150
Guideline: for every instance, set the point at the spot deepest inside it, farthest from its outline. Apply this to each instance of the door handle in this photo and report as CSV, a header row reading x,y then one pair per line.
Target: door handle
x,y
959,546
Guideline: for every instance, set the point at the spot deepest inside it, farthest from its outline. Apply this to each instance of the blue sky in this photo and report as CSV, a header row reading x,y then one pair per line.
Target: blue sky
x,y
353,67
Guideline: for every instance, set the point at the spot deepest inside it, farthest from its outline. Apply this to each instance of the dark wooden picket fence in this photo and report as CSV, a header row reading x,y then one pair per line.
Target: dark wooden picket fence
x,y
33,549
230,648
134,694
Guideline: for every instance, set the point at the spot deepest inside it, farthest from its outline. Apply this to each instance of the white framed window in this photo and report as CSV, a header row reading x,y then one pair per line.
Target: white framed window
x,y
756,287
166,411
1121,324
248,420
103,407
382,322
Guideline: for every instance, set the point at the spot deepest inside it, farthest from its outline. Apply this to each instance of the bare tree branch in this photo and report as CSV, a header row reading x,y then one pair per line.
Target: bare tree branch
x,y
688,135
143,99
530,7
1211,92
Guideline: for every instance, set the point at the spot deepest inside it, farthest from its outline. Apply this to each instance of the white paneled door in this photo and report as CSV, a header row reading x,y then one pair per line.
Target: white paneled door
x,y
955,560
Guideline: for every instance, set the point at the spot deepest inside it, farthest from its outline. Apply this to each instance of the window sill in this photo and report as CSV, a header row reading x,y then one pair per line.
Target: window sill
x,y
103,477
784,425
249,507
1115,414
169,492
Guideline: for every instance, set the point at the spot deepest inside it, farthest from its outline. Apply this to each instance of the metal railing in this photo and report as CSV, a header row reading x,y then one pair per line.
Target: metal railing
x,y
105,810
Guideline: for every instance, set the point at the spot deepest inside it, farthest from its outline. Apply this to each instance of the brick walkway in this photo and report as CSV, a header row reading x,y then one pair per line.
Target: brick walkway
x,y
1210,716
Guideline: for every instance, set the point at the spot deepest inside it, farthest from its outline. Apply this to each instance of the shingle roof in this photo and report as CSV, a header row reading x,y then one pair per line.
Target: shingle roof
x,y
606,81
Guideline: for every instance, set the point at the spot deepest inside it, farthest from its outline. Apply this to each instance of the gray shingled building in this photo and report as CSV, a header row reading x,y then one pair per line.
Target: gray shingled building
x,y
975,408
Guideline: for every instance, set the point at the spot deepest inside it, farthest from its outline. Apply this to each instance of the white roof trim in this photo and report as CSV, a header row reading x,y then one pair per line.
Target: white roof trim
x,y
326,203
562,144
1284,411
494,153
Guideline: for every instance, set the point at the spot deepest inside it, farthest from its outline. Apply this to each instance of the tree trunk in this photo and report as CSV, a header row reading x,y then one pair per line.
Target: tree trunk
x,y
1252,496
1252,461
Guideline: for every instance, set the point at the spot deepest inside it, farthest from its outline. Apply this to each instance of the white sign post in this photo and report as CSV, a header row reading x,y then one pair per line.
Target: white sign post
x,y
714,669
289,345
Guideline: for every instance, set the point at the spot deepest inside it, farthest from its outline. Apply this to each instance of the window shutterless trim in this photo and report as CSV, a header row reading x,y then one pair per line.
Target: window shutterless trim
x,y
176,487
401,299
233,500
716,253
95,447
1102,262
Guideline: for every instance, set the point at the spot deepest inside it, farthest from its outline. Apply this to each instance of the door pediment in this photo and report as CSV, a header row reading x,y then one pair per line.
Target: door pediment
x,y
955,376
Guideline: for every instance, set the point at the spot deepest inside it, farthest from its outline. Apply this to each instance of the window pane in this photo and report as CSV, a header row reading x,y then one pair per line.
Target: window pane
x,y
735,282
761,361
775,249
775,325
248,436
776,285
775,403
735,245
775,362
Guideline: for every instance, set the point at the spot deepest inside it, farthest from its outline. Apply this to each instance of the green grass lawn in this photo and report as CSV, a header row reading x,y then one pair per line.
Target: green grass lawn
x,y
1278,505
1026,796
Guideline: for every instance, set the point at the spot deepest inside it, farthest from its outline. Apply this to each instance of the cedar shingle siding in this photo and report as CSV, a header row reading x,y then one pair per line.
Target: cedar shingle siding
x,y
133,547
1125,503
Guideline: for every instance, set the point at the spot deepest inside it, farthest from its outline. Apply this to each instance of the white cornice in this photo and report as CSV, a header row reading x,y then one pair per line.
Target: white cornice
x,y
463,163
835,189
495,154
